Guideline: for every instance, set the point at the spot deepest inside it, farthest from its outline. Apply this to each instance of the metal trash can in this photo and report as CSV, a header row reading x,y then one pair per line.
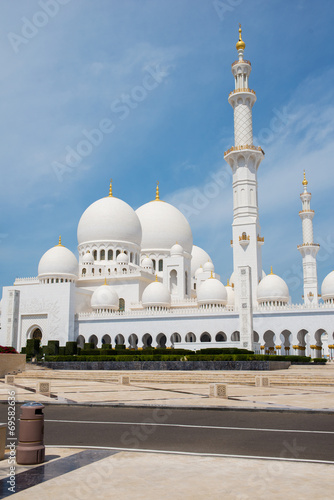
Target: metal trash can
x,y
31,449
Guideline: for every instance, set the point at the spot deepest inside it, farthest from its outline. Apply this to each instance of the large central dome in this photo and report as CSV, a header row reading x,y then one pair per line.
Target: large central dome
x,y
163,225
109,219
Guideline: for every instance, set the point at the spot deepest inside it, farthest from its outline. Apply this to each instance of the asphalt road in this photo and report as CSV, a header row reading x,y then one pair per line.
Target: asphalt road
x,y
297,436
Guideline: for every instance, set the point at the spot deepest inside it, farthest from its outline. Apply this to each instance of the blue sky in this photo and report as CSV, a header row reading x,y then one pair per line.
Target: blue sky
x,y
67,67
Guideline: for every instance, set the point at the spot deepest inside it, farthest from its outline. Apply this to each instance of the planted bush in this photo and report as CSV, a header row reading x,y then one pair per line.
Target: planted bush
x,y
7,350
53,347
71,348
32,347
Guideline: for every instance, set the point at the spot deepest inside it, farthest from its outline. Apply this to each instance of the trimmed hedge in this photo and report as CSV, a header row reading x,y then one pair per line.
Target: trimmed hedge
x,y
106,346
99,356
223,350
32,348
53,347
322,361
71,348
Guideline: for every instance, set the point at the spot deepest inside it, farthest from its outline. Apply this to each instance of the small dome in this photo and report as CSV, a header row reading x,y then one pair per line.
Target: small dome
x,y
198,258
198,271
208,266
58,261
272,288
147,263
230,294
327,287
176,249
105,297
212,291
156,295
122,258
88,258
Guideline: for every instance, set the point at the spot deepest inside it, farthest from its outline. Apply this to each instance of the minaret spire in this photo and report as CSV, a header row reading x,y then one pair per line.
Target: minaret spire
x,y
308,249
244,159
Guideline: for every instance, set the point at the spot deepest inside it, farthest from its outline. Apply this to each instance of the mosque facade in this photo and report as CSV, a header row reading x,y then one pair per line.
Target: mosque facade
x,y
140,280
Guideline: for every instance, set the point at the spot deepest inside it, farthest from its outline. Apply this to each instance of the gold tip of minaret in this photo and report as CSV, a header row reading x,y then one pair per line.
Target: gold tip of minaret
x,y
110,189
157,196
59,242
304,180
240,44
271,270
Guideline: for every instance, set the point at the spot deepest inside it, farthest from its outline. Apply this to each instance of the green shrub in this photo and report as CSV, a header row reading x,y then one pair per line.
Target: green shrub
x,y
119,347
223,350
90,352
89,345
62,351
319,360
32,348
106,346
71,348
24,350
53,347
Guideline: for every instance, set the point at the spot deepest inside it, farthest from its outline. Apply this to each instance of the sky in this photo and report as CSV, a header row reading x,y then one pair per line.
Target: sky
x,y
145,84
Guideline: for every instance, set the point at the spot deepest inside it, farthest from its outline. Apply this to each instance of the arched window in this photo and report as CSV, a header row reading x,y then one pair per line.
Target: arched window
x,y
84,271
153,260
37,334
186,282
131,257
121,304
95,254
110,254
117,253
102,255
161,265
100,271
93,271
173,281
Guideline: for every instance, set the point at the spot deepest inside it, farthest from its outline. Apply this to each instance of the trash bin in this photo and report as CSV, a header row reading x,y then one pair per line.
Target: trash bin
x,y
31,449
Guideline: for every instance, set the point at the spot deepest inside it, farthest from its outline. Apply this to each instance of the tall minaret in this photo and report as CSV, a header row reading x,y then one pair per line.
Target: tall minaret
x,y
244,158
308,249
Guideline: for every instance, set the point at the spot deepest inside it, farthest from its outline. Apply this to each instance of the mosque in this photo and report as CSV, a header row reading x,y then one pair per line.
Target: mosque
x,y
140,281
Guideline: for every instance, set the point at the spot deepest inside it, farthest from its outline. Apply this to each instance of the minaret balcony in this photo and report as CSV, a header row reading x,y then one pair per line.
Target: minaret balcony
x,y
308,245
242,61
309,211
236,91
242,148
244,240
260,240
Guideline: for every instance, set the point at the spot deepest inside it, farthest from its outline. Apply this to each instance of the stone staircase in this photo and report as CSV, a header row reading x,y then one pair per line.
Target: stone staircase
x,y
294,376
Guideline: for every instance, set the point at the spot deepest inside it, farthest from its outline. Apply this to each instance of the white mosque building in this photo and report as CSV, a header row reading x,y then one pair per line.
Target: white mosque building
x,y
140,280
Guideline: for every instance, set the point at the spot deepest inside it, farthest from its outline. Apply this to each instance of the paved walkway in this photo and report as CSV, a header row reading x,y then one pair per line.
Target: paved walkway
x,y
103,474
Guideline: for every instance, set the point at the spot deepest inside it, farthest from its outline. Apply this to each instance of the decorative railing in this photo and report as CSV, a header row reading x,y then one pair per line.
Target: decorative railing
x,y
243,61
241,148
26,280
236,91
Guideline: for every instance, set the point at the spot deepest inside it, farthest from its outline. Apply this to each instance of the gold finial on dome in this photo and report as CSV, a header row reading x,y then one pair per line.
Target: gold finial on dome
x,y
228,282
110,189
240,44
105,281
304,180
156,277
271,270
157,197
59,242
211,277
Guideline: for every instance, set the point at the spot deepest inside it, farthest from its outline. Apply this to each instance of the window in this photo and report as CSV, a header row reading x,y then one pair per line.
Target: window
x,y
131,257
186,282
84,271
102,255
95,254
121,304
117,253
161,265
110,255
153,260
